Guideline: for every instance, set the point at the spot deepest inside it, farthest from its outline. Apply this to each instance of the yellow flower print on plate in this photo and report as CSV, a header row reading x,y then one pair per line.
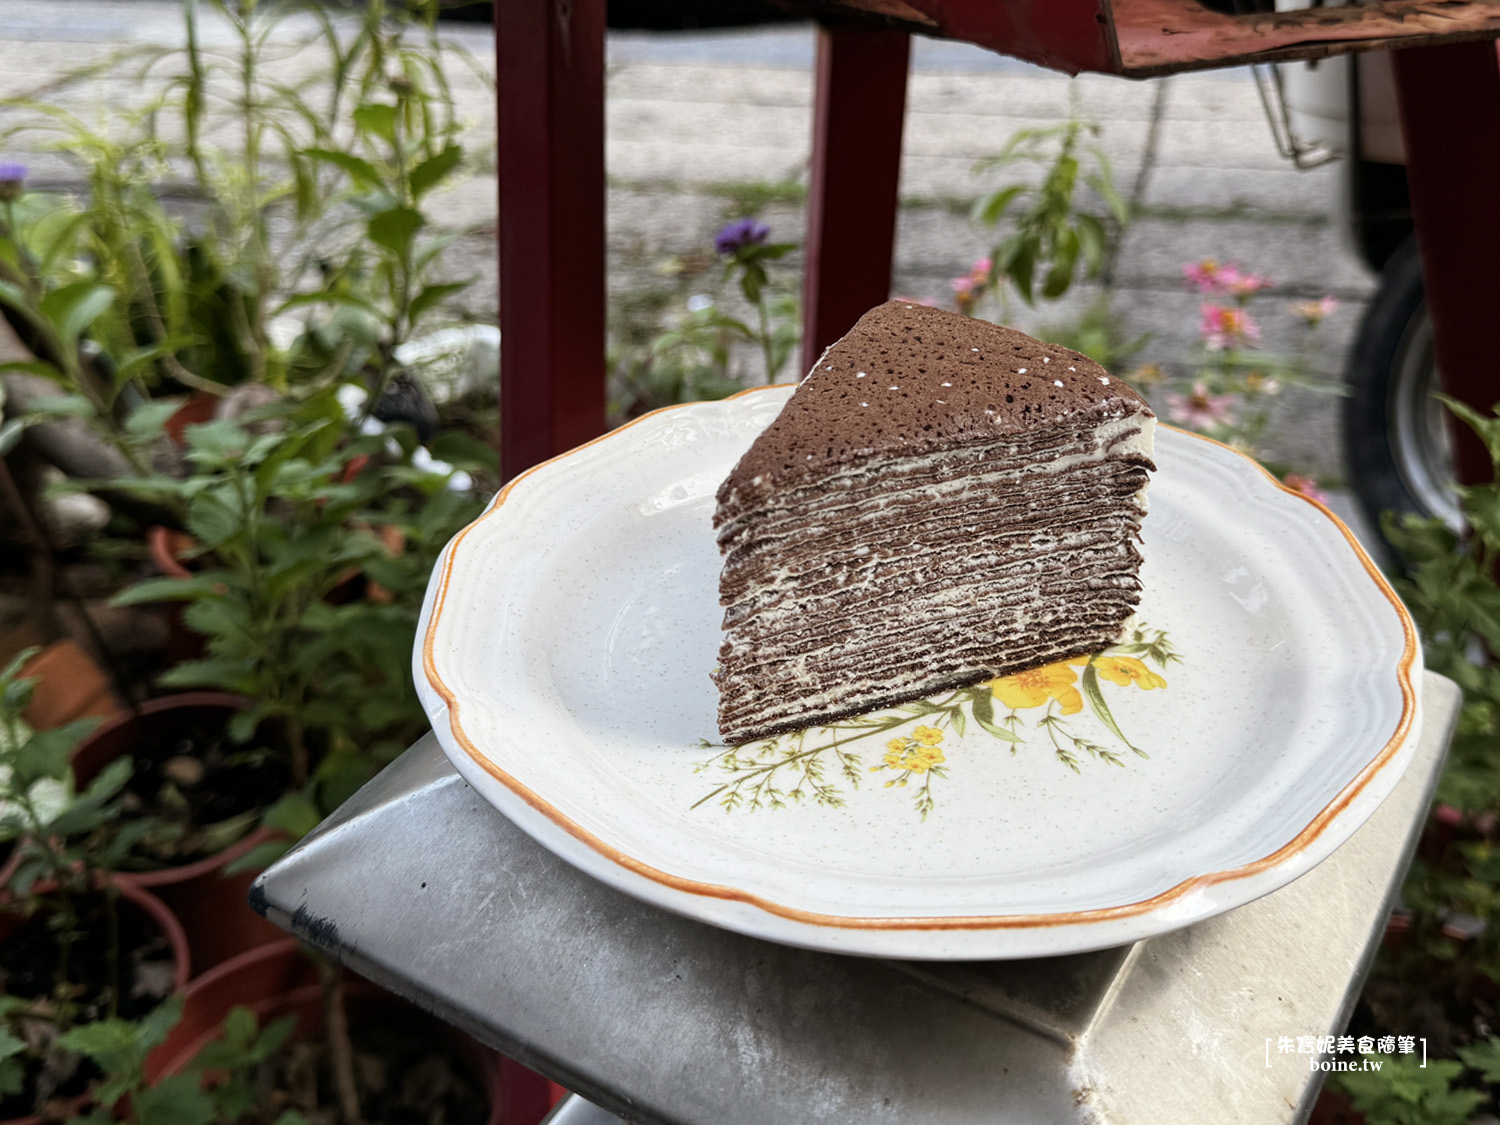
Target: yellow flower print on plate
x,y
1035,686
798,767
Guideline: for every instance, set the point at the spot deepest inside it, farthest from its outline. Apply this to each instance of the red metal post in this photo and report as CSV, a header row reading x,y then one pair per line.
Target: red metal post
x,y
1450,122
852,197
549,57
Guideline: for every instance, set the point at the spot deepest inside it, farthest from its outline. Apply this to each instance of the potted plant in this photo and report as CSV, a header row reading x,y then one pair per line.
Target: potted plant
x,y
78,947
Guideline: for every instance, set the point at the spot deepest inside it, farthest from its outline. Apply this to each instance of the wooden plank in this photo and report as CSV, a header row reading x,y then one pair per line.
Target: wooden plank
x,y
1165,36
550,104
1066,35
1450,123
859,107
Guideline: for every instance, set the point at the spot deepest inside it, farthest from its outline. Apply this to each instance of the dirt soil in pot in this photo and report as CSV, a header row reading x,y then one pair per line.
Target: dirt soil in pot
x,y
30,953
206,792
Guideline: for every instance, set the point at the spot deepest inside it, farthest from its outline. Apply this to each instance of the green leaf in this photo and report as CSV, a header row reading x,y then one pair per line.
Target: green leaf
x,y
153,590
458,447
259,857
100,1038
295,814
1488,428
62,406
32,367
14,296
431,295
178,1099
361,171
1060,276
350,300
215,517
230,675
956,716
1483,1057
1092,692
432,171
1019,267
72,308
146,421
395,228
1092,242
990,209
240,1025
10,434
377,118
220,441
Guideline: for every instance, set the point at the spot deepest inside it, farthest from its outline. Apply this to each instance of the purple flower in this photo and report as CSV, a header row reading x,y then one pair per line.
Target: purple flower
x,y
12,180
740,234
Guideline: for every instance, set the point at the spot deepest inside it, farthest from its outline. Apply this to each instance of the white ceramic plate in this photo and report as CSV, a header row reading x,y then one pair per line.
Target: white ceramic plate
x,y
564,660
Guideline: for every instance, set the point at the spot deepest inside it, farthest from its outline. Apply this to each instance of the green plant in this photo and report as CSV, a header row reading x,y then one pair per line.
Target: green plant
x,y
188,300
216,1088
693,358
1436,980
1405,1092
307,205
286,509
1051,234
64,840
1451,590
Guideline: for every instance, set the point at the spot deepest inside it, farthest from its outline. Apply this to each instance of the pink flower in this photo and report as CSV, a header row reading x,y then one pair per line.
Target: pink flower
x,y
1200,410
1204,274
1447,814
977,278
1244,284
969,288
1305,485
1211,277
1223,327
1314,311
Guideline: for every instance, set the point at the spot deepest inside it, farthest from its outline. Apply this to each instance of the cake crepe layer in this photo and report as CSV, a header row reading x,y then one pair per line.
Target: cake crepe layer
x,y
941,502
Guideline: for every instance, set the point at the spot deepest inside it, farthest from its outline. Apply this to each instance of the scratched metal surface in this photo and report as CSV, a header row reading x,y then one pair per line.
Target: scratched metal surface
x,y
421,886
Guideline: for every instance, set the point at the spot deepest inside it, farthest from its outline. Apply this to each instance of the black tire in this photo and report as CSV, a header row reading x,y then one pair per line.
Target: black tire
x,y
1395,437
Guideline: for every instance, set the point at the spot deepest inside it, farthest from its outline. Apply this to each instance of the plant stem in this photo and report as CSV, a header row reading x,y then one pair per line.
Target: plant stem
x,y
340,1047
765,338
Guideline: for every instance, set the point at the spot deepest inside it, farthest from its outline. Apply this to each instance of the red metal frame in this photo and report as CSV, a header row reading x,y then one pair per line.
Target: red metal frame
x,y
1450,120
852,199
550,106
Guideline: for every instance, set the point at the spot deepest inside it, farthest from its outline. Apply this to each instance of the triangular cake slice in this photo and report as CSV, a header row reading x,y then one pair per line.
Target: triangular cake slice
x,y
940,502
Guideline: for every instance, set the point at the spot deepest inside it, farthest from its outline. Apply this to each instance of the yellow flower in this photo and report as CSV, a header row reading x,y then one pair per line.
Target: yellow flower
x,y
909,755
923,758
928,736
1035,686
1126,670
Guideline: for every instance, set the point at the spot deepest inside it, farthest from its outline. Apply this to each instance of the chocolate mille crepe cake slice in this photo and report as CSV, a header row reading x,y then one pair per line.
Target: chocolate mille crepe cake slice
x,y
940,502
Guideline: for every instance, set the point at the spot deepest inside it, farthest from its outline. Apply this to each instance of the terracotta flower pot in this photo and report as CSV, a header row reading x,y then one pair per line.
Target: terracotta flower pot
x,y
166,547
280,980
197,408
210,904
70,685
162,920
